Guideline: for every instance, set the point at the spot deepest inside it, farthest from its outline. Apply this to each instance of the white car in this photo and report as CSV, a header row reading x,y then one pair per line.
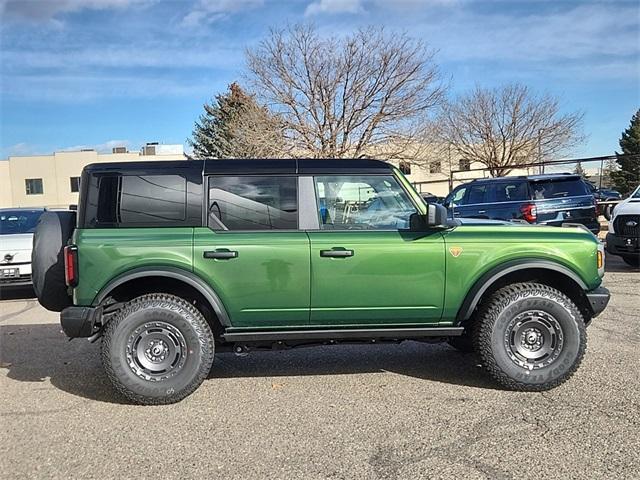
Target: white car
x,y
624,230
16,241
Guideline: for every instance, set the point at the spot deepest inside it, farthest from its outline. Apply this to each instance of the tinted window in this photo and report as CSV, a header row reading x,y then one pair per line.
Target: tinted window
x,y
476,194
507,192
558,189
18,221
363,202
253,203
141,199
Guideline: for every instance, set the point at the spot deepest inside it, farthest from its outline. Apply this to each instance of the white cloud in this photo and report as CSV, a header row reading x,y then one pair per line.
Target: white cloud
x,y
334,6
43,10
105,147
209,11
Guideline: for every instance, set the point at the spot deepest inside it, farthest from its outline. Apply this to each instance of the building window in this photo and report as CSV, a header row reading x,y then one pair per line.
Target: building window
x,y
405,168
435,167
74,182
33,186
464,164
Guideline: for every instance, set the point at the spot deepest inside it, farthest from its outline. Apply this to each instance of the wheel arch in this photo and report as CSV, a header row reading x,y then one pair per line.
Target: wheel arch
x,y
547,272
170,277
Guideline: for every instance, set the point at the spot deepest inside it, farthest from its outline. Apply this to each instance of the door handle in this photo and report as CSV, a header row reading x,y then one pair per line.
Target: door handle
x,y
336,252
482,211
221,254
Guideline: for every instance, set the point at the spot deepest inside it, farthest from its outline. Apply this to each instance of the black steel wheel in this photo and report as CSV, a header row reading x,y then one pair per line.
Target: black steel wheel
x,y
530,337
157,349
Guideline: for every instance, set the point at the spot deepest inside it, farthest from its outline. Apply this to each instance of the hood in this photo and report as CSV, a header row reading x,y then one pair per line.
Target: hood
x,y
631,206
15,248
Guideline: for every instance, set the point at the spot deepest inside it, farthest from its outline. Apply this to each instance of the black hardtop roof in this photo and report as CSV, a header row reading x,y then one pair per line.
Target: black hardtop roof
x,y
533,178
250,167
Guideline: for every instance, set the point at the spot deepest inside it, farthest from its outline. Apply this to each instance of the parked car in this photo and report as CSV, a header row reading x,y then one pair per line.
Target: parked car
x,y
623,238
169,262
16,239
551,199
431,198
604,195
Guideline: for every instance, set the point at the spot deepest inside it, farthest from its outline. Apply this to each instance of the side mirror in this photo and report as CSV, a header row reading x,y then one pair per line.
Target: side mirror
x,y
436,216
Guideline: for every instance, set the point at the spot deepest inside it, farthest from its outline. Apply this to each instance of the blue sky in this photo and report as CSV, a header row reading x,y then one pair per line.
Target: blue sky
x,y
95,73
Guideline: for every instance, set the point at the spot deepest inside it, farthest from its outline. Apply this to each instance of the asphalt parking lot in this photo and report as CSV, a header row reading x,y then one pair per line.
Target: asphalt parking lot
x,y
395,411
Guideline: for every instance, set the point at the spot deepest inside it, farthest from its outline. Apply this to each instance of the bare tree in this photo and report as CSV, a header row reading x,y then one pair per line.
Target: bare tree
x,y
508,127
362,95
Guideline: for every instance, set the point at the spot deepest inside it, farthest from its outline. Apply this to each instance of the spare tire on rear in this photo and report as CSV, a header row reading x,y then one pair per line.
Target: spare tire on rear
x,y
52,233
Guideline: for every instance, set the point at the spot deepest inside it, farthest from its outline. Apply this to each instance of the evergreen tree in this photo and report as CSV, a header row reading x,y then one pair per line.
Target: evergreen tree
x,y
580,171
627,178
233,125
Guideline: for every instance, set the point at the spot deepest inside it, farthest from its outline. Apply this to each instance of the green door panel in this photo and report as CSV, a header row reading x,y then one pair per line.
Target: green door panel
x,y
105,253
392,278
267,284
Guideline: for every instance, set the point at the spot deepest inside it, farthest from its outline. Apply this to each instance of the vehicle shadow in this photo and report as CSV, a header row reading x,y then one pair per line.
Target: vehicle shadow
x,y
615,264
35,353
21,292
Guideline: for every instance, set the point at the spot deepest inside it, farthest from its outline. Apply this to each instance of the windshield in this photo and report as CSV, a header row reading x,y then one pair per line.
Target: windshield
x,y
559,189
18,221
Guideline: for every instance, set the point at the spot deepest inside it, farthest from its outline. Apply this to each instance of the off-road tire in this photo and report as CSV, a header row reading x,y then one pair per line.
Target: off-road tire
x,y
179,320
632,260
492,340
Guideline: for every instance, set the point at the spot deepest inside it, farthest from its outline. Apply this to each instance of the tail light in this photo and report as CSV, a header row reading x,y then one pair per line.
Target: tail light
x,y
71,265
529,212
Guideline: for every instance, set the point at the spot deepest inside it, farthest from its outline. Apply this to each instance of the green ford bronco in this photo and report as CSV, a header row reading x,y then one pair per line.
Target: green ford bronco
x,y
169,262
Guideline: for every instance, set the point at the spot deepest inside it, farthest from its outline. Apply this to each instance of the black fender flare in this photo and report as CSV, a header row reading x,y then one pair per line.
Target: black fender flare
x,y
185,276
489,278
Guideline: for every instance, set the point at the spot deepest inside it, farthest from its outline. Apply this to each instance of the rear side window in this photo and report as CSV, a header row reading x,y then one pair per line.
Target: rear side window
x,y
508,192
253,203
549,189
140,200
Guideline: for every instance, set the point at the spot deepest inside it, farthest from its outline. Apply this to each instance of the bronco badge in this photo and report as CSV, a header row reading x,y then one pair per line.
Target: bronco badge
x,y
455,251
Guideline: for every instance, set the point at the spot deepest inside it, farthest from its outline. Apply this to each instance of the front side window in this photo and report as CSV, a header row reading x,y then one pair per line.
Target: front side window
x,y
253,203
458,196
476,194
33,186
362,202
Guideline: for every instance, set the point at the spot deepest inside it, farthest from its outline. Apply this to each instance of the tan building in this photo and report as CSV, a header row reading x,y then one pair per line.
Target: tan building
x,y
53,180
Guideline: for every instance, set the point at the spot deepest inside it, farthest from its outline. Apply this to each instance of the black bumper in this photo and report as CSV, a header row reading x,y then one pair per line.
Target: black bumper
x,y
598,298
619,245
80,321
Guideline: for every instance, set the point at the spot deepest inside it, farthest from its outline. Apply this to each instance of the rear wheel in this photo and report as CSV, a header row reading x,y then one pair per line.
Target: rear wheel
x,y
530,337
157,349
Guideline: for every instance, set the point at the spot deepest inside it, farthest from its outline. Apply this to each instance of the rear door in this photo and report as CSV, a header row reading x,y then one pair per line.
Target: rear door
x,y
564,200
252,252
366,266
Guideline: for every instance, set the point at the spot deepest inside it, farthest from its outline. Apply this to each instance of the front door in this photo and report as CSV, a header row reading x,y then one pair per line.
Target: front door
x,y
366,266
253,254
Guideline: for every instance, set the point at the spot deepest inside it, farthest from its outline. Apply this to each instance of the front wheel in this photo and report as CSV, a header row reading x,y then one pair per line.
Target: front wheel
x,y
157,349
530,337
